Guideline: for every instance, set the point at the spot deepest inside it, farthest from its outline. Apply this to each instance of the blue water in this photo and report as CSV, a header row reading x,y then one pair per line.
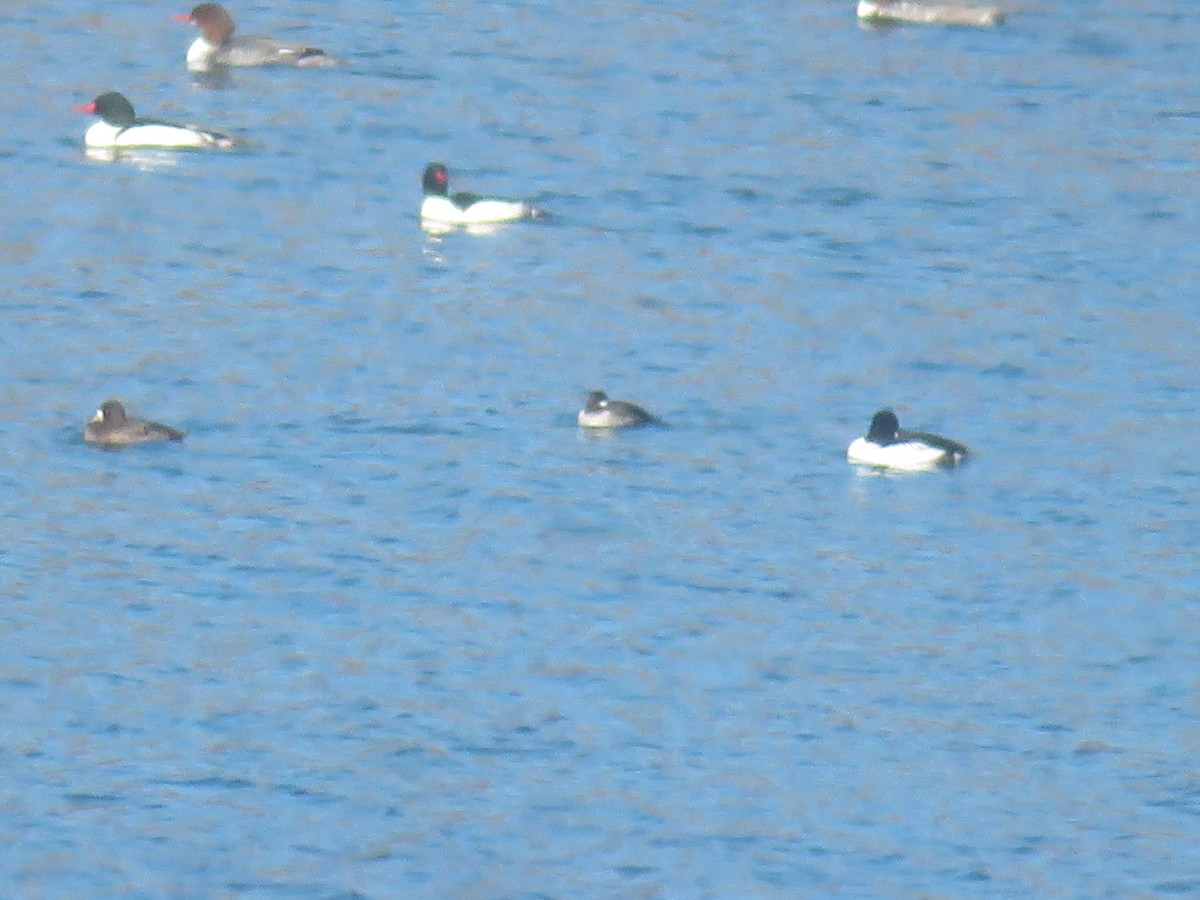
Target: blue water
x,y
388,625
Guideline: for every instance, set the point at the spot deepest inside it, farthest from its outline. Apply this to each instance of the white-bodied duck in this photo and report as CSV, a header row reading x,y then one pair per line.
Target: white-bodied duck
x,y
888,446
120,127
441,209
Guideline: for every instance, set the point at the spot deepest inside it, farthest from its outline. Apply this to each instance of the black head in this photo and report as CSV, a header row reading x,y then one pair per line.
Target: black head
x,y
114,109
112,412
884,427
596,400
436,180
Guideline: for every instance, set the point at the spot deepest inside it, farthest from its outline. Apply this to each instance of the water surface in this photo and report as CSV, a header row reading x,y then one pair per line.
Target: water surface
x,y
387,624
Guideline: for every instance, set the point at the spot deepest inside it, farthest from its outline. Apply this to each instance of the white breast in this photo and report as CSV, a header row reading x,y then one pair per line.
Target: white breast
x,y
199,55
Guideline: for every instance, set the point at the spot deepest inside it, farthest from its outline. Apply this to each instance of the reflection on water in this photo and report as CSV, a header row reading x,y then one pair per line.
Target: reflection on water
x,y
438,229
138,157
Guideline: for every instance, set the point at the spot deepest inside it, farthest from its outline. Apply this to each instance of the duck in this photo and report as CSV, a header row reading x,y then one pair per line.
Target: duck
x,y
440,207
119,126
888,446
111,426
217,47
600,412
885,12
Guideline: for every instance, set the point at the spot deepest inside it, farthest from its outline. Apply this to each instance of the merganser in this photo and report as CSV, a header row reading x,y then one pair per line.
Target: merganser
x,y
888,446
932,13
440,207
120,127
600,412
217,47
111,427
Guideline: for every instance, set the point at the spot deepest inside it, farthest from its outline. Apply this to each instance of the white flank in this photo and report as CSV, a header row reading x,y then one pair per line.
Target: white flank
x,y
103,136
481,212
910,456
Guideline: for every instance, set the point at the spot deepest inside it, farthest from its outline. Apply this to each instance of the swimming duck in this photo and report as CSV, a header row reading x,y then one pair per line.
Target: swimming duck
x,y
888,446
113,427
120,127
440,207
217,47
600,412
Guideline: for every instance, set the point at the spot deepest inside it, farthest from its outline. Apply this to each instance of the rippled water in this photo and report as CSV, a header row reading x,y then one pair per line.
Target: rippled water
x,y
387,624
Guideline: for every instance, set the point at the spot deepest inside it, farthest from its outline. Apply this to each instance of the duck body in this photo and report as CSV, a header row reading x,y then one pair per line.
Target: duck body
x,y
113,427
888,446
600,412
120,127
932,13
440,207
217,47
